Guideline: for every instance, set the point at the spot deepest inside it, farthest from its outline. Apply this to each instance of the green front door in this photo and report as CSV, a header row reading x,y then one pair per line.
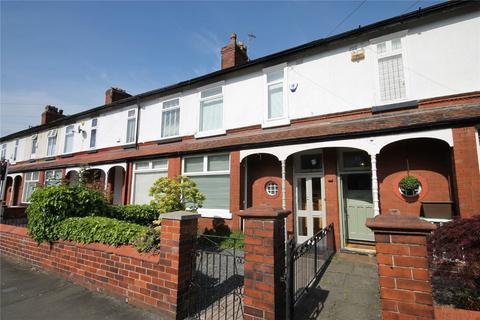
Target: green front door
x,y
358,206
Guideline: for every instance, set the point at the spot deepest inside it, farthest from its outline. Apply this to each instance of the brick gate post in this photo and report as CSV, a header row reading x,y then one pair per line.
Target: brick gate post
x,y
264,295
405,287
176,243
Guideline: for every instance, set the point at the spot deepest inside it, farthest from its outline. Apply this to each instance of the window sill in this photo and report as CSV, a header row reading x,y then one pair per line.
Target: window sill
x,y
275,123
211,133
67,155
169,139
50,158
129,146
92,151
215,213
436,220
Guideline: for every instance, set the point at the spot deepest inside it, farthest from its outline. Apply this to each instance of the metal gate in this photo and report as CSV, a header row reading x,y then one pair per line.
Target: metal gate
x,y
305,265
217,278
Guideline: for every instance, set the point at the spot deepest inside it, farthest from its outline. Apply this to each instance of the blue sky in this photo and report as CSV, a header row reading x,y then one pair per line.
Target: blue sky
x,y
68,53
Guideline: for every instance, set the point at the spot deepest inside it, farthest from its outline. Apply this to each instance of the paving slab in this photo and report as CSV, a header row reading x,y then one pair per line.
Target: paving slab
x,y
348,290
29,293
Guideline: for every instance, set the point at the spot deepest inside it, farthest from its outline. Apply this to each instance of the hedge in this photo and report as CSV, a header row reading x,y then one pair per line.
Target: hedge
x,y
99,229
140,214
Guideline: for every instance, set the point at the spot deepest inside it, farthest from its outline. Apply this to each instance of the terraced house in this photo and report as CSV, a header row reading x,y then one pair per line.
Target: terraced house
x,y
327,129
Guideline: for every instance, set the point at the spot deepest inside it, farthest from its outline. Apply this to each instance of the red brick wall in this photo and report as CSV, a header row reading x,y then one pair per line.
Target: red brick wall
x,y
331,192
466,171
429,161
149,280
174,167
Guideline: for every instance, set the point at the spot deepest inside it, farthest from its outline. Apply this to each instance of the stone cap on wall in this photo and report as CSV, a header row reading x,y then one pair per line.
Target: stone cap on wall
x,y
264,211
397,223
179,215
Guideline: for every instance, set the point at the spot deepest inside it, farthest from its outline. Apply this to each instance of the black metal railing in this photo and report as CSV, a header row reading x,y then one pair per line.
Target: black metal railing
x,y
306,263
217,278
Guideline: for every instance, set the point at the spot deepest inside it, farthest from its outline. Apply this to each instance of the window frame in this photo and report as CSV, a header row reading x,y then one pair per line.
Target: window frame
x,y
169,110
68,135
207,212
150,169
3,155
34,146
93,128
217,131
52,134
30,180
54,171
15,150
135,116
285,119
403,51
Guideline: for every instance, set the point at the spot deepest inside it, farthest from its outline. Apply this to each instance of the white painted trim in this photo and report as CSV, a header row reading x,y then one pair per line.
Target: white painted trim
x,y
215,213
211,133
372,145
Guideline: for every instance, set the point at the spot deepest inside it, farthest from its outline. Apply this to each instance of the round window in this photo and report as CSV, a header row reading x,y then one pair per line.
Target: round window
x,y
271,188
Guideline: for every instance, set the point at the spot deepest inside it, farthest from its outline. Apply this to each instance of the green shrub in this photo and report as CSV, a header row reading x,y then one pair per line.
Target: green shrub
x,y
176,194
409,183
99,229
50,205
150,241
140,214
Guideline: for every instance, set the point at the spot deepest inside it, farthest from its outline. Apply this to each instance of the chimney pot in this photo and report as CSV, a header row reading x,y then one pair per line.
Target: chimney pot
x,y
114,94
51,113
234,54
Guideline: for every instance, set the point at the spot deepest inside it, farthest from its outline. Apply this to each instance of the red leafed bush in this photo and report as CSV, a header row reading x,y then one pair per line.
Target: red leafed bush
x,y
455,259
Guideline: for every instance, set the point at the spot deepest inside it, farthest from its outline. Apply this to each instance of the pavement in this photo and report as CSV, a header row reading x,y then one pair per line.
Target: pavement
x,y
29,293
348,290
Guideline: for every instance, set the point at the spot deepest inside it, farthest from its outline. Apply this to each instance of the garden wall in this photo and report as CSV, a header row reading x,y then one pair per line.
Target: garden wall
x,y
148,280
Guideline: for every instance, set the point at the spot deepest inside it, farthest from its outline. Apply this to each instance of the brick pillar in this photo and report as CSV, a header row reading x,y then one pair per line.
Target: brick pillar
x,y
331,192
264,295
176,243
235,187
405,288
174,167
467,175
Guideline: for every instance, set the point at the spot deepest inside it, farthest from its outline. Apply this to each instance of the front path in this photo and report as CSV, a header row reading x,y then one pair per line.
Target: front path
x,y
348,290
28,293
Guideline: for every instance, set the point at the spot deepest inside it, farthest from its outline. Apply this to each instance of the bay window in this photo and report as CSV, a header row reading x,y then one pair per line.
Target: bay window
x,y
145,173
211,173
170,118
30,184
211,109
68,146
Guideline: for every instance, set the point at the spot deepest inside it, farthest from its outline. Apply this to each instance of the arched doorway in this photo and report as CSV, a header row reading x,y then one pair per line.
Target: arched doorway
x,y
115,184
95,179
17,190
72,177
8,191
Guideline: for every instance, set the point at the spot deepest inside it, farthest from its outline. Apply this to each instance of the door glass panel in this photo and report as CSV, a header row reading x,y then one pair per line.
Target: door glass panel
x,y
317,224
302,194
317,194
302,226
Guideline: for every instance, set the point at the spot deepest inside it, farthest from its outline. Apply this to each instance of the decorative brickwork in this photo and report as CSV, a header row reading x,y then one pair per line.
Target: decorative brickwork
x,y
155,281
405,288
264,296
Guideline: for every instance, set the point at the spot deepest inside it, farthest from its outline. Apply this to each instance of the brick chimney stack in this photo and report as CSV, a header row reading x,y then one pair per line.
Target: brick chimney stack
x,y
51,113
234,54
115,94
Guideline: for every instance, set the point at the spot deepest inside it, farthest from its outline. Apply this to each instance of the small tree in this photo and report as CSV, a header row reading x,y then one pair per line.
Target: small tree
x,y
176,194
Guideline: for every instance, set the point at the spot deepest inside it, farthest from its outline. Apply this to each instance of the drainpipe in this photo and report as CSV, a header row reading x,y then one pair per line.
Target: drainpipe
x,y
138,123
376,209
284,192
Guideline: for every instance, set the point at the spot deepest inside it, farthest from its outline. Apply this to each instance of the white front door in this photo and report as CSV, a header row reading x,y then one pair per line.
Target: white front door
x,y
309,205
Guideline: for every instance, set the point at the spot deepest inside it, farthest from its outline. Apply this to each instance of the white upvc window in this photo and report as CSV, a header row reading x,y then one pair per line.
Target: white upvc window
x,y
145,173
51,142
93,133
53,177
68,145
275,95
170,118
15,150
391,74
34,146
211,173
30,184
4,151
211,109
131,125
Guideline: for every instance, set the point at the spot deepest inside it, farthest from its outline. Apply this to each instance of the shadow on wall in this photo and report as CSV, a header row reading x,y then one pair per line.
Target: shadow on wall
x,y
429,160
